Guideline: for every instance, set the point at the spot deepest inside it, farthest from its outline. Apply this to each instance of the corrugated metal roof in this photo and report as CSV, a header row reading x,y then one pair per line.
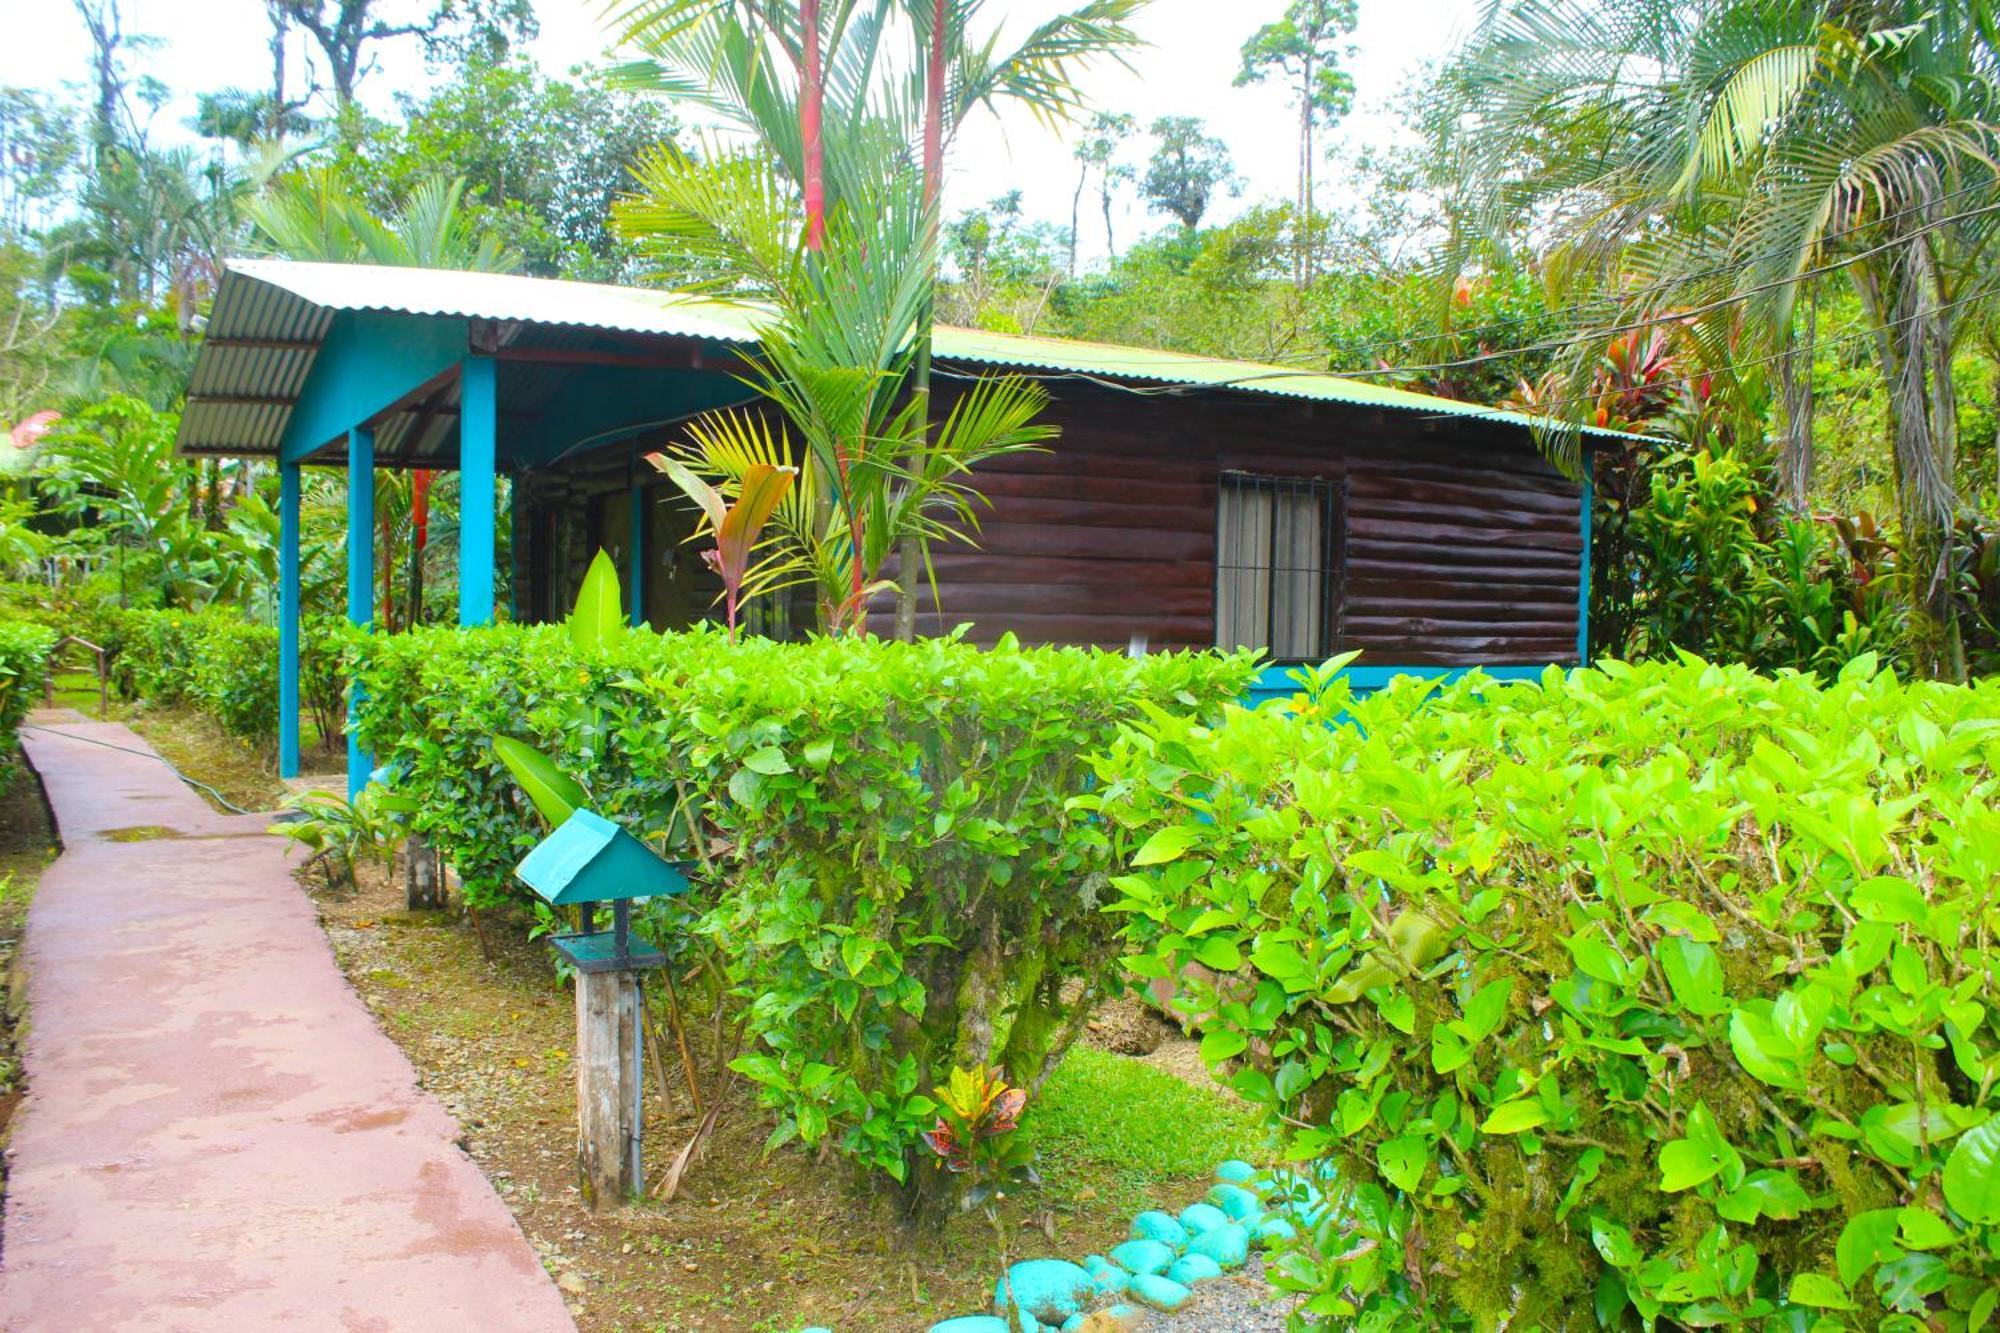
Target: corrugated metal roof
x,y
269,316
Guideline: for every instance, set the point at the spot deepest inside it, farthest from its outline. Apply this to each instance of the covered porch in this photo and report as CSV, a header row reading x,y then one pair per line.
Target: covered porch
x,y
559,388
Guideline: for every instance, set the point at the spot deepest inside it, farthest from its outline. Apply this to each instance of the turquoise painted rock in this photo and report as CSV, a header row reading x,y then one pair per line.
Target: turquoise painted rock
x,y
1073,1323
1162,1293
1192,1268
1109,1278
1272,1230
1051,1290
1228,1245
1162,1227
1239,1204
972,1323
1200,1217
1233,1172
1141,1257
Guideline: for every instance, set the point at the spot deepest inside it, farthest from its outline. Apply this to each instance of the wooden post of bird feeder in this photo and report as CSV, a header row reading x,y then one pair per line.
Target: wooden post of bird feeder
x,y
586,861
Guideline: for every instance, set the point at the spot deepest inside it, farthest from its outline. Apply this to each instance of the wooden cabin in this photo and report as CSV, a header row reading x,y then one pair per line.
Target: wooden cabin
x,y
1187,502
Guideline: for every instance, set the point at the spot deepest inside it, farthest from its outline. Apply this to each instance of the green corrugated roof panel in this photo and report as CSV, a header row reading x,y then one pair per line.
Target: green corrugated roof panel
x,y
1111,361
269,316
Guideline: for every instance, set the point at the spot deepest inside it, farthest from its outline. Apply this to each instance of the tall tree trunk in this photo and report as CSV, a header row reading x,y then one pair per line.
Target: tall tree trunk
x,y
1921,401
1795,453
1302,233
1075,208
812,103
909,552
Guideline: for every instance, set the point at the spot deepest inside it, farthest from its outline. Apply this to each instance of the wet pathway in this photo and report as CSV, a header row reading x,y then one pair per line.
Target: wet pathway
x,y
216,1135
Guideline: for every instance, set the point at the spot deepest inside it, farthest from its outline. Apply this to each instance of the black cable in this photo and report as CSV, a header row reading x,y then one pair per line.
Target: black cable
x,y
1654,288
218,797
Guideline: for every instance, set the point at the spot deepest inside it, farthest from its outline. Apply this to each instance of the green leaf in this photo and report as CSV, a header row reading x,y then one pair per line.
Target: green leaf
x,y
1890,899
1764,1194
1694,974
1448,1050
1868,1239
598,619
1819,1292
1922,1229
554,793
1403,1161
1972,1174
1515,1117
1223,1044
1485,1010
1167,844
1685,1164
1763,1054
770,761
1218,952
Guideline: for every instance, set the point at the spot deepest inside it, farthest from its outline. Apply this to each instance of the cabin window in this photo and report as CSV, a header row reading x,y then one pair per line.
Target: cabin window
x,y
1276,565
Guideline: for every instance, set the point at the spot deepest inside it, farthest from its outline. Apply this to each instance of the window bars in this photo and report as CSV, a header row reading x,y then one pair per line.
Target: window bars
x,y
1277,565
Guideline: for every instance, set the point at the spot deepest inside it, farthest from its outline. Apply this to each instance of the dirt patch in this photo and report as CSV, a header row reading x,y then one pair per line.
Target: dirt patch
x,y
141,833
754,1243
1129,1026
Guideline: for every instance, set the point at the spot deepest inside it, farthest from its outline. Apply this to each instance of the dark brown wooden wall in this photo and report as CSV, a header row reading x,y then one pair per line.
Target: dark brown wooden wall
x,y
1462,543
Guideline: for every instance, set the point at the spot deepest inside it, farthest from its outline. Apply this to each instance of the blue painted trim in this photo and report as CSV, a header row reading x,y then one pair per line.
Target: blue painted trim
x,y
1275,682
367,362
601,406
1589,501
635,558
478,430
360,579
288,620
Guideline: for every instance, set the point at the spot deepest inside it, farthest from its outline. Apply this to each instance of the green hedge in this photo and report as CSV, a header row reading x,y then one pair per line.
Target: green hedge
x,y
24,664
216,661
1660,994
898,885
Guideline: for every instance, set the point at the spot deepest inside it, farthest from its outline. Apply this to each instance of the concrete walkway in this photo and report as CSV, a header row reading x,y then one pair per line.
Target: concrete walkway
x,y
216,1135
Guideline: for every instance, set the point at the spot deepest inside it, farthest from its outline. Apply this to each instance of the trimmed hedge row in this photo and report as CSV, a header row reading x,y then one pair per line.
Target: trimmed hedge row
x,y
218,662
895,883
24,665
1660,994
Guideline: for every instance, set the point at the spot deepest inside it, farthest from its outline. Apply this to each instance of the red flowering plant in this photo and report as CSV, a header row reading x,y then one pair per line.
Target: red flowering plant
x,y
974,1138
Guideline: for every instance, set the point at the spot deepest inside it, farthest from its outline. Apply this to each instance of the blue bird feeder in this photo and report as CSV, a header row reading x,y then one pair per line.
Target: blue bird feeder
x,y
590,860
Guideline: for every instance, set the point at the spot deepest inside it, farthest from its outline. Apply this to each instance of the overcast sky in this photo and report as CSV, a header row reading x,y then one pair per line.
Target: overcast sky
x,y
1187,70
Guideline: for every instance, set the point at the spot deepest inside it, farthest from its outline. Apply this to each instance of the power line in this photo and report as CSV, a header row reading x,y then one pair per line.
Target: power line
x,y
1655,288
1693,312
1809,346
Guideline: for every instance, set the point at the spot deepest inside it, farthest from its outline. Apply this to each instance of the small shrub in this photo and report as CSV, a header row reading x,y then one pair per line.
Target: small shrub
x,y
1655,994
896,885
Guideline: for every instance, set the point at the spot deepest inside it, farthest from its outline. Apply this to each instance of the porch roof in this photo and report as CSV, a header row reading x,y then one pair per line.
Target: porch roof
x,y
272,320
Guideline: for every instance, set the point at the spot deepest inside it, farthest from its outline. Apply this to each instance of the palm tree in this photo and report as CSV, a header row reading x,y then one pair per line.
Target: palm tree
x,y
317,214
883,105
834,357
1710,163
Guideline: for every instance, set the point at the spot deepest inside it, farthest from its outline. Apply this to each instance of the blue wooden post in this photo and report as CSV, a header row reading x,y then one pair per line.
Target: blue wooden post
x,y
1583,578
288,620
478,421
360,579
636,553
